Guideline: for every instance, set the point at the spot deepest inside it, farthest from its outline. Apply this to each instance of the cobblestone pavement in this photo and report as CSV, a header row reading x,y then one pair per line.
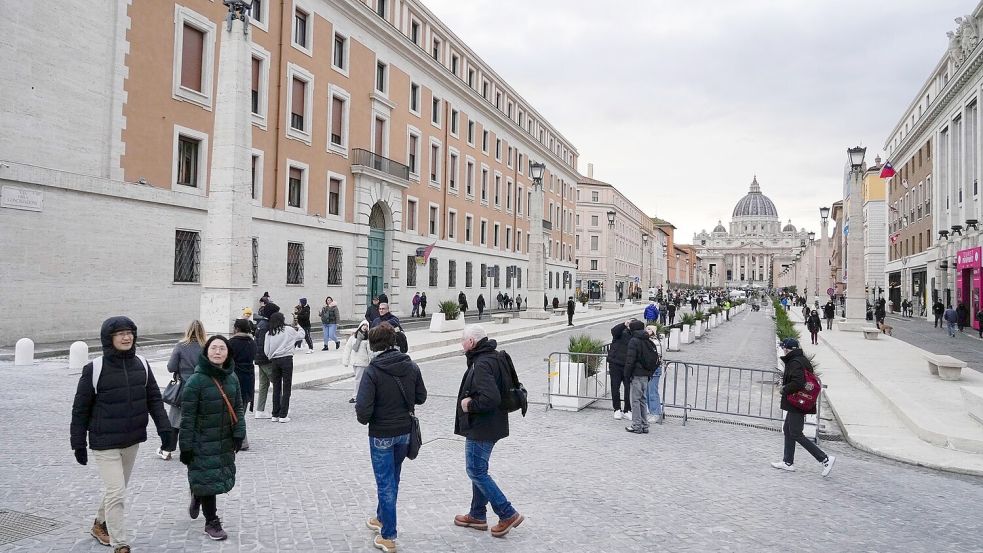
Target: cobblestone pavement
x,y
582,481
966,346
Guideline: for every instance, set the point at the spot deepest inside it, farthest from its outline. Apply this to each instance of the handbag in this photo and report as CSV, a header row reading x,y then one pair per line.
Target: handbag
x,y
172,393
416,436
234,420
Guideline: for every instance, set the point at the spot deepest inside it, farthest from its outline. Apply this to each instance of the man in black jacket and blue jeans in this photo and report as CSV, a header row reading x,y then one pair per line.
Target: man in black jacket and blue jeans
x,y
620,336
113,412
482,421
793,380
641,361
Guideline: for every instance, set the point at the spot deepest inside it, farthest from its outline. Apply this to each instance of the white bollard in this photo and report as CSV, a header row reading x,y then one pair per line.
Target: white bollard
x,y
699,329
24,352
673,339
78,355
686,336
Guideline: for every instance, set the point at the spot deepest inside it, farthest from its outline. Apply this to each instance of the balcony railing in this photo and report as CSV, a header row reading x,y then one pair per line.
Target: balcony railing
x,y
379,163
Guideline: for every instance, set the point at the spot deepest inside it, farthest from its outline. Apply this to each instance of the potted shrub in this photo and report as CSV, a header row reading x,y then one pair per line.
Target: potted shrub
x,y
447,318
686,336
576,375
698,324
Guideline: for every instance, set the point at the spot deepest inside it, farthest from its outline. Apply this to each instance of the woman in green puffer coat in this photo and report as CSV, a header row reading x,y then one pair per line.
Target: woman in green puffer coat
x,y
212,431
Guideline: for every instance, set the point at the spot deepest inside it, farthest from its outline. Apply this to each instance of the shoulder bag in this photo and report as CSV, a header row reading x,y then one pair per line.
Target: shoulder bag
x,y
416,437
234,419
172,393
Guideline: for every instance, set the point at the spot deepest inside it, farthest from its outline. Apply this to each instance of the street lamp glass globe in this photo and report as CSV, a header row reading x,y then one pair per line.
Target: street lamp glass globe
x,y
536,170
812,236
824,213
611,215
856,155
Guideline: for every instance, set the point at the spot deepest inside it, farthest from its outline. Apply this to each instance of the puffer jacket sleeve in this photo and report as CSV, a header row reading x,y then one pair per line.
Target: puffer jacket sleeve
x,y
174,363
85,397
631,357
239,431
190,402
346,351
485,394
365,401
795,378
155,404
421,388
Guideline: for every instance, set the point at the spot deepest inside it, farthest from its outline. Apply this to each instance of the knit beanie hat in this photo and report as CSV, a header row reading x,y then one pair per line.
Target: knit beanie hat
x,y
636,325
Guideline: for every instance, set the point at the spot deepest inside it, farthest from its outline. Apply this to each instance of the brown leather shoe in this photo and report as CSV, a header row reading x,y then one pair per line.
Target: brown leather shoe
x,y
100,532
506,524
469,521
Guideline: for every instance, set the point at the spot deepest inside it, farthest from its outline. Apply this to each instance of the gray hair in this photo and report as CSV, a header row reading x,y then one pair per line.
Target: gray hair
x,y
474,331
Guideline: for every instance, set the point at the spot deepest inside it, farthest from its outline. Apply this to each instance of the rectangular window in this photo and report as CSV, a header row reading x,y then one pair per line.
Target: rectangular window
x,y
415,98
454,121
334,266
451,224
255,260
484,275
508,238
433,272
411,270
297,104
495,236
593,220
452,274
518,201
468,223
498,149
435,112
380,8
436,49
187,161
470,78
498,189
594,196
254,88
593,265
484,185
471,133
498,100
508,196
415,33
334,196
452,172
414,154
337,120
434,162
192,58
300,28
484,141
483,234
518,241
381,71
256,14
594,243
496,276
468,277
469,179
454,63
255,177
339,51
187,256
433,220
295,185
410,214
484,89
295,263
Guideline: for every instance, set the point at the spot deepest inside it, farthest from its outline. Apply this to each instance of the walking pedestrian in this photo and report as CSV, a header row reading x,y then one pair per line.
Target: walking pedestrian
x,y
571,308
184,358
423,305
651,313
247,313
356,355
480,419
386,316
462,302
938,309
242,349
814,325
641,360
498,299
109,414
480,304
263,364
962,316
951,317
620,336
518,302
213,430
277,347
672,314
794,380
302,318
829,311
416,305
329,322
372,311
391,388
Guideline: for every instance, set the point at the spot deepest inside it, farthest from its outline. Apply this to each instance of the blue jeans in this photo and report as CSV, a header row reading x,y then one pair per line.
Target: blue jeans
x,y
654,401
330,332
387,461
484,490
951,328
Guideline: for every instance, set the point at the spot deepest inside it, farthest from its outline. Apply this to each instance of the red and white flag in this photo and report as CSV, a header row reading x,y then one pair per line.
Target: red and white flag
x,y
428,251
888,171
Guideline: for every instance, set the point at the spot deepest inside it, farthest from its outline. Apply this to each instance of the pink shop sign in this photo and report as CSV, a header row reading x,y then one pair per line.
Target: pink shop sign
x,y
968,259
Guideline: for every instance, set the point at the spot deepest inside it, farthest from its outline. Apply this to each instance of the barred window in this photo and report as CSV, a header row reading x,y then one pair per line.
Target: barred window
x,y
187,256
508,276
452,274
411,270
295,263
334,266
496,276
433,272
484,275
468,277
255,260
518,277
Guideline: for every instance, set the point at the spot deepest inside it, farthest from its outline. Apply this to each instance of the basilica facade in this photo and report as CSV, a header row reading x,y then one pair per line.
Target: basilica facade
x,y
756,247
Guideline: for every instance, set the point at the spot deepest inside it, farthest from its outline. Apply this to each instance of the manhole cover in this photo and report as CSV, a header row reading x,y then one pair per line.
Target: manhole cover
x,y
16,526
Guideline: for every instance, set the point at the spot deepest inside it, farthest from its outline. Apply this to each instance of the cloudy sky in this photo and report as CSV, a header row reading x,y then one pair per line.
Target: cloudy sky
x,y
679,103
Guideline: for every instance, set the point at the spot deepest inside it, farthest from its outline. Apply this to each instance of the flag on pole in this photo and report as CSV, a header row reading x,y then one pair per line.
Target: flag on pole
x,y
428,251
895,236
888,171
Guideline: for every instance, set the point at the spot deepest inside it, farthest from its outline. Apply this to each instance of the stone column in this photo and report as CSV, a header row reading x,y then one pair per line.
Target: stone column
x,y
537,257
226,250
856,305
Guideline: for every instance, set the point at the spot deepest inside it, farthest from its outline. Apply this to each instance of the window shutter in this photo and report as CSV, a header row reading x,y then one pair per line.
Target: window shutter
x,y
295,173
256,74
191,58
337,105
299,89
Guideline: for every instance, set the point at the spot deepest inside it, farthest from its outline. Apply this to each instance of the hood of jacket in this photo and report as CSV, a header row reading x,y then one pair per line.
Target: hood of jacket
x,y
393,362
206,367
115,324
485,345
795,353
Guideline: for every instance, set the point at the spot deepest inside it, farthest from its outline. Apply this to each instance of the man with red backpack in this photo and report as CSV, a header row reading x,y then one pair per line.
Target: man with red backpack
x,y
800,391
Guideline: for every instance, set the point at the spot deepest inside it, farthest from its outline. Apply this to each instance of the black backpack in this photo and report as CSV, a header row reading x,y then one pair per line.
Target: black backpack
x,y
514,396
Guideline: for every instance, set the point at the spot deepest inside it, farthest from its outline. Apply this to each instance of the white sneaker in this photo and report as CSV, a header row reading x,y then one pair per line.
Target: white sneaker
x,y
284,419
263,415
165,455
627,415
828,464
275,419
652,418
310,351
618,414
780,465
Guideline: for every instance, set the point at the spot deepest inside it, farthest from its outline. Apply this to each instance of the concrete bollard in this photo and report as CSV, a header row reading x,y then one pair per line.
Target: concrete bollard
x,y
673,339
699,329
24,352
78,355
686,336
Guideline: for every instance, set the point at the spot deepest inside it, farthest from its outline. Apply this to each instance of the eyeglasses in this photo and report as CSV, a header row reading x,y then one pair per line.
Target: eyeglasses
x,y
123,333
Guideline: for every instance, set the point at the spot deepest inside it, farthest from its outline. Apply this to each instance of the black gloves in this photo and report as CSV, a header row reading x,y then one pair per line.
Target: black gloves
x,y
187,456
236,444
165,439
81,455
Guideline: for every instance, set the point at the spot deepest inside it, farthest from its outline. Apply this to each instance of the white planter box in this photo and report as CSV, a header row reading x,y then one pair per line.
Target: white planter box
x,y
439,324
686,336
568,380
673,339
699,329
581,308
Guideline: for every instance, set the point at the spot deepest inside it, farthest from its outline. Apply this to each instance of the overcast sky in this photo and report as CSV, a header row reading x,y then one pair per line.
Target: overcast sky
x,y
680,103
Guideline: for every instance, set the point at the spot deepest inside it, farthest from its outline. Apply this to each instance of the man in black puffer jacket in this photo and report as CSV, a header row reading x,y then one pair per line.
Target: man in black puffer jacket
x,y
793,380
620,336
114,411
641,361
263,362
482,421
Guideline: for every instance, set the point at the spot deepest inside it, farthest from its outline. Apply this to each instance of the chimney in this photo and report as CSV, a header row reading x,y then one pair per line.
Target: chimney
x,y
590,170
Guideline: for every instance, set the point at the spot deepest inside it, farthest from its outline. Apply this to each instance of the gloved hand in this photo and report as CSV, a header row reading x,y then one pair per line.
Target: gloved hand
x,y
81,455
187,456
165,439
236,444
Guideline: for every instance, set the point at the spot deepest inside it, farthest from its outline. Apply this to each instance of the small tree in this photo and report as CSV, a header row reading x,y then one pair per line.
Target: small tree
x,y
450,309
592,351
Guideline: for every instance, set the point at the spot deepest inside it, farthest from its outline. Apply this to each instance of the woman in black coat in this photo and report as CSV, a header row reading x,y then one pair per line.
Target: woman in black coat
x,y
814,324
243,351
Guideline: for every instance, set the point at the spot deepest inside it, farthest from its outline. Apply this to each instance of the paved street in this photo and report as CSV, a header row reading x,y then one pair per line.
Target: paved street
x,y
966,346
583,483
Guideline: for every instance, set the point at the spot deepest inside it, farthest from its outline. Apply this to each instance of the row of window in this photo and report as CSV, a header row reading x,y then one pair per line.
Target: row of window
x,y
487,273
411,224
187,260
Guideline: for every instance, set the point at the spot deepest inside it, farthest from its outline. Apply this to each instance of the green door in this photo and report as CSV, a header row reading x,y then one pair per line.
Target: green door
x,y
377,246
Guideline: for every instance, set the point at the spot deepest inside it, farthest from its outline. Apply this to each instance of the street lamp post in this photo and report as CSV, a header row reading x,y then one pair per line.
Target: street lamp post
x,y
856,304
537,258
610,280
825,248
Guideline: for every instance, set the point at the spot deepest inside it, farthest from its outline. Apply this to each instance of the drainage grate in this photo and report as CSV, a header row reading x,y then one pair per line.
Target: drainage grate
x,y
16,526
